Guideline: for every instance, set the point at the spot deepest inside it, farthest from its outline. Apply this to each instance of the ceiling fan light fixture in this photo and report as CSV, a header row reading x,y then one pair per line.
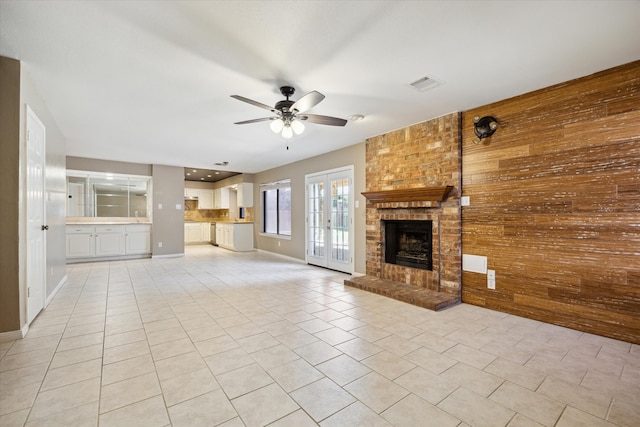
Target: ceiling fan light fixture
x,y
297,126
276,125
287,132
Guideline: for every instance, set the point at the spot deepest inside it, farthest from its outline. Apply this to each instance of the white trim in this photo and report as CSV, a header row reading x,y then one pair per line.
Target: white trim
x,y
321,173
89,174
55,291
107,258
275,236
167,256
14,335
292,259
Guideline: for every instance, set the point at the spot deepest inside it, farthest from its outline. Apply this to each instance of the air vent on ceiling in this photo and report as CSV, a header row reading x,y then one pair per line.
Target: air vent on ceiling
x,y
425,83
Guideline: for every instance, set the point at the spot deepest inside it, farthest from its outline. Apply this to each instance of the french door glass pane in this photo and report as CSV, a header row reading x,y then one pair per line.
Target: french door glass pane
x,y
340,220
316,219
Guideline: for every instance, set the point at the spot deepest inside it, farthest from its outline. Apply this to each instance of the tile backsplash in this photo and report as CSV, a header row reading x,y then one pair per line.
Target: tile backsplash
x,y
192,213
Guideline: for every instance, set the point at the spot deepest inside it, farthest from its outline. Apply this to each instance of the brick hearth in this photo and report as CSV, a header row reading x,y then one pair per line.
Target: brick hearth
x,y
415,295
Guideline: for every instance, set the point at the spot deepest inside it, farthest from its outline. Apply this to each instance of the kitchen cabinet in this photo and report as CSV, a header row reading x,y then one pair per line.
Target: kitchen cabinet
x,y
221,198
107,241
80,242
191,192
205,196
245,195
206,199
192,232
235,236
205,232
137,239
197,232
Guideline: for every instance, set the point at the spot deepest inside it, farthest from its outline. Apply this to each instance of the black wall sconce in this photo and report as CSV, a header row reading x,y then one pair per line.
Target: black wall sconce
x,y
484,127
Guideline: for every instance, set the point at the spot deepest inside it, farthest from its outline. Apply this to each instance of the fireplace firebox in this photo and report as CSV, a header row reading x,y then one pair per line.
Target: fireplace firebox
x,y
408,243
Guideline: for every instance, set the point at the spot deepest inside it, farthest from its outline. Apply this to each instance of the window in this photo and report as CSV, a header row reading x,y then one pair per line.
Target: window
x,y
275,199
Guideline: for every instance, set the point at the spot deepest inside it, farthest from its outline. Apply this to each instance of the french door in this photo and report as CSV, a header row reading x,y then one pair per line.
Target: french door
x,y
329,217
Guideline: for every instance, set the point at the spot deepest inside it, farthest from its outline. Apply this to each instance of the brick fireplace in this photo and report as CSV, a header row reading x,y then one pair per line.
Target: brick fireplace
x,y
414,174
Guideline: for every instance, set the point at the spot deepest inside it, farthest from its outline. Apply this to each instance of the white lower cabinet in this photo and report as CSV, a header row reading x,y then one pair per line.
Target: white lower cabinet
x,y
237,237
137,239
197,232
192,232
80,242
108,240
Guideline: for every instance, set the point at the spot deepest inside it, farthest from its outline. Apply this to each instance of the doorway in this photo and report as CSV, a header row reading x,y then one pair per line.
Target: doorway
x,y
329,219
36,215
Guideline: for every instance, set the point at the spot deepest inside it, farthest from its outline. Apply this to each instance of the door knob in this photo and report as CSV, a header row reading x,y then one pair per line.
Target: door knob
x,y
45,227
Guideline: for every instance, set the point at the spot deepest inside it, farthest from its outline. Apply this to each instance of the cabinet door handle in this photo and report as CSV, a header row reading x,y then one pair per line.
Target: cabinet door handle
x,y
45,227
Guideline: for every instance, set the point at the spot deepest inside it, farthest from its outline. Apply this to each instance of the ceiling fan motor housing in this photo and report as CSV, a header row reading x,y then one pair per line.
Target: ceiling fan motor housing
x,y
283,106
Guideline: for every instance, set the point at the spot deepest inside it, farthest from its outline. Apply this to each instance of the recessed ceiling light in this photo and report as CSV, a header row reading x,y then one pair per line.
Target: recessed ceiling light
x,y
208,176
425,83
201,179
217,173
194,171
189,173
356,117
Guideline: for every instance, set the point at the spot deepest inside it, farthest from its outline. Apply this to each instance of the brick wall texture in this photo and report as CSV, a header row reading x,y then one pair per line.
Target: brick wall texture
x,y
422,155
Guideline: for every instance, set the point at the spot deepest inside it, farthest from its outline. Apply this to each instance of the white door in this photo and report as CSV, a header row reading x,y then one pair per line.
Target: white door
x,y
329,231
36,215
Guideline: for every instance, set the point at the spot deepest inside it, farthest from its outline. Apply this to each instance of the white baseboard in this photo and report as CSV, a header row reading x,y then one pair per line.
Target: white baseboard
x,y
167,256
298,260
14,335
55,291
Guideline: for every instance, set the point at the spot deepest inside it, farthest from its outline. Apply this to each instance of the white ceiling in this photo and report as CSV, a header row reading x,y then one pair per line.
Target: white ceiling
x,y
150,82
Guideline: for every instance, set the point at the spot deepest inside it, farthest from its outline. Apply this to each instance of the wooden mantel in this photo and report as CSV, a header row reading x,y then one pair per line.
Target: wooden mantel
x,y
422,194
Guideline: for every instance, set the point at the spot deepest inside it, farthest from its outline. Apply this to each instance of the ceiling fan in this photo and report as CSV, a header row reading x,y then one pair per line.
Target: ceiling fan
x,y
289,114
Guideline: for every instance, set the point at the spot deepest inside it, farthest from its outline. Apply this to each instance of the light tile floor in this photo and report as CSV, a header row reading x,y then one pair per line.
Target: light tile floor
x,y
232,339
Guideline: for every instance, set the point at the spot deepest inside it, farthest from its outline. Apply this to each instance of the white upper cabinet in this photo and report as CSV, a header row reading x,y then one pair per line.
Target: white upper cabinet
x,y
245,195
221,198
206,199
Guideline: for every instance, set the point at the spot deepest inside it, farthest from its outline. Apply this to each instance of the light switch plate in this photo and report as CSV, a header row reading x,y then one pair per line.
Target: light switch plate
x,y
491,279
465,201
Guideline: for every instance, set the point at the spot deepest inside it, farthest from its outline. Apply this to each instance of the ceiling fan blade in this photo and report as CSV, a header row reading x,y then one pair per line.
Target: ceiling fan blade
x,y
264,119
252,102
307,102
323,120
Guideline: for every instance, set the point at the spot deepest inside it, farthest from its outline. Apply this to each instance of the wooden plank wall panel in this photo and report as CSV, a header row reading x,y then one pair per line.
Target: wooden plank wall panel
x,y
555,204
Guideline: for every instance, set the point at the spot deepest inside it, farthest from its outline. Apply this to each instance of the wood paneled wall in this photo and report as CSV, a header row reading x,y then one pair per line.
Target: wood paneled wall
x,y
555,204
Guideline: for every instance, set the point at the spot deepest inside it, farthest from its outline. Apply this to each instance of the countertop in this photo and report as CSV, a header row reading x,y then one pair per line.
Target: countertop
x,y
225,221
107,223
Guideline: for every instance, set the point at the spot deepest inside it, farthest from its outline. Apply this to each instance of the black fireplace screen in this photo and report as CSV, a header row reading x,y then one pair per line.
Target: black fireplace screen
x,y
408,243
